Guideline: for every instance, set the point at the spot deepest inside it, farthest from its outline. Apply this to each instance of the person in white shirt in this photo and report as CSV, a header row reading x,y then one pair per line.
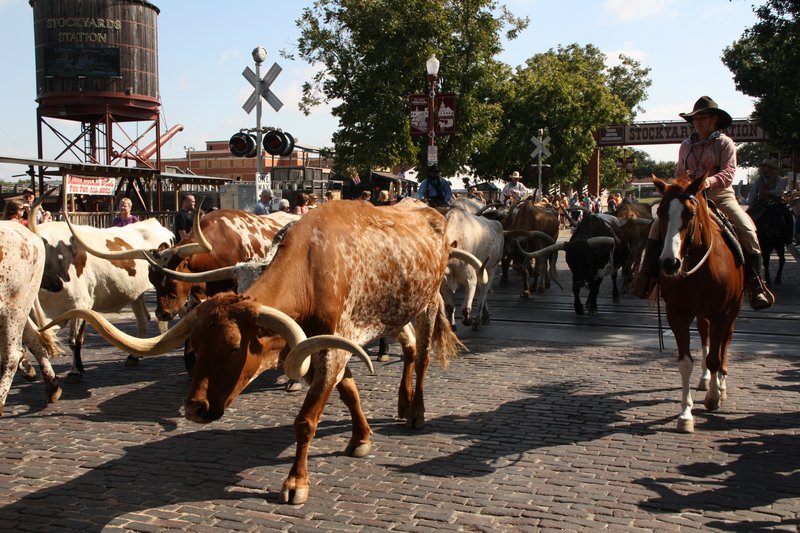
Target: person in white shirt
x,y
514,190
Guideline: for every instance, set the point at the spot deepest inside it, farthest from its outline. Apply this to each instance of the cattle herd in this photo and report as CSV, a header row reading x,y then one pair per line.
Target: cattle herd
x,y
252,293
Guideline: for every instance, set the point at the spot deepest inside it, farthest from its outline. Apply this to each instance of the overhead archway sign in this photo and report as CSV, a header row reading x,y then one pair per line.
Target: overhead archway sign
x,y
741,130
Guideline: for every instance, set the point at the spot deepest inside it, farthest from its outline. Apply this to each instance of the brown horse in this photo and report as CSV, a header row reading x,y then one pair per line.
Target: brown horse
x,y
700,278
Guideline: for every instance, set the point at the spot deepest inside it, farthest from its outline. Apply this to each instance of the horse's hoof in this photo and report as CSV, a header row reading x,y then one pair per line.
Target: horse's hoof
x,y
383,358
476,326
293,386
294,496
525,295
685,425
712,404
132,360
723,395
74,377
703,385
359,450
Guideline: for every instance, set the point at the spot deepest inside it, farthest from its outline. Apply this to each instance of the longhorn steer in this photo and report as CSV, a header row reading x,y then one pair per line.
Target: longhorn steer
x,y
594,250
346,270
74,278
482,238
22,258
530,227
230,237
635,220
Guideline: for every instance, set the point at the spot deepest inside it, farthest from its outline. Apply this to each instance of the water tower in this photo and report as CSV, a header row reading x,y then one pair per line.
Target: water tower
x,y
97,67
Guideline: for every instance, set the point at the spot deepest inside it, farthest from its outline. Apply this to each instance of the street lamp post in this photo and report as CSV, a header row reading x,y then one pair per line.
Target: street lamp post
x,y
432,66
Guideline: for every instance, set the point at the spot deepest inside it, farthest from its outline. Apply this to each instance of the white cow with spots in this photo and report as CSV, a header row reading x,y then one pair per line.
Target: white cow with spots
x,y
483,238
21,266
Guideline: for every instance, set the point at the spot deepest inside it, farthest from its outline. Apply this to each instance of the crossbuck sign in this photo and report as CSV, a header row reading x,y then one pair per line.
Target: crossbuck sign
x,y
541,147
266,81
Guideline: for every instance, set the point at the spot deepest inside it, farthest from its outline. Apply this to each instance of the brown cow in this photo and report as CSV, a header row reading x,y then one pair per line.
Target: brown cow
x,y
347,273
529,227
635,220
233,236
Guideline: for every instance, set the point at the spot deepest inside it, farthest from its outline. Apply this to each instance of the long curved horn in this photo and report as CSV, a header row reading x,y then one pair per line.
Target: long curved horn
x,y
599,241
219,274
32,224
298,360
134,253
468,258
201,246
483,209
164,343
543,251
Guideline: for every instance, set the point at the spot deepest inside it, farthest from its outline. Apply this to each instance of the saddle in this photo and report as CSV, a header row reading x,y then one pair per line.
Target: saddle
x,y
728,231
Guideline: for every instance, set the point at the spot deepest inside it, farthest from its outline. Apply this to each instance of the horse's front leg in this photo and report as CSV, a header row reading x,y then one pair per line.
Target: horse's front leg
x,y
721,337
703,328
781,261
679,324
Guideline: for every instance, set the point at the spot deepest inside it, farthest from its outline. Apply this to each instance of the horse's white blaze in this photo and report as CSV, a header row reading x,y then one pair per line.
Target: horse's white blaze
x,y
672,241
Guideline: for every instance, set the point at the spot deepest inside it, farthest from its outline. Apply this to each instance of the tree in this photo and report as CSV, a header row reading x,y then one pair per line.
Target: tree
x,y
570,93
371,57
763,62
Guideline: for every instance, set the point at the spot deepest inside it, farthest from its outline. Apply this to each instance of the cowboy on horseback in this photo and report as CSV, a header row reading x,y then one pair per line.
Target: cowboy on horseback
x,y
710,152
767,193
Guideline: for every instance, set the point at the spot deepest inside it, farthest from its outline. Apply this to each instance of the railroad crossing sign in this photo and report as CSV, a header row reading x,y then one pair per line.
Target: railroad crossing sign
x,y
541,147
266,81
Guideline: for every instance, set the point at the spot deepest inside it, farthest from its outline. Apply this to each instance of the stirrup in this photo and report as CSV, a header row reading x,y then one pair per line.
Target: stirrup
x,y
760,295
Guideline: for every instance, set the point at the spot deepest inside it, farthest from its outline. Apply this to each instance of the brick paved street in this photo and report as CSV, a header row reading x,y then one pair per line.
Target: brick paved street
x,y
520,436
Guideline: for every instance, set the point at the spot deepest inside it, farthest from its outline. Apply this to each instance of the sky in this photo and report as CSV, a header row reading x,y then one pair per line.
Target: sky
x,y
205,44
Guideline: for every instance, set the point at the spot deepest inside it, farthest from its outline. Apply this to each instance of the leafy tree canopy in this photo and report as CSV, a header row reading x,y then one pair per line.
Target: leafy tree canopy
x,y
764,64
370,57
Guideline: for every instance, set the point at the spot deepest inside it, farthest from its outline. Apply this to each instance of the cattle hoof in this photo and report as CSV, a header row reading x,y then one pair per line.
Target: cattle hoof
x,y
53,394
703,385
579,310
28,373
685,425
415,422
131,360
525,294
295,496
293,386
74,377
383,358
358,449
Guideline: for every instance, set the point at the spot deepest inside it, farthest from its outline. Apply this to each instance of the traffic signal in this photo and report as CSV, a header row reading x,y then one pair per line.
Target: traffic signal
x,y
243,145
278,143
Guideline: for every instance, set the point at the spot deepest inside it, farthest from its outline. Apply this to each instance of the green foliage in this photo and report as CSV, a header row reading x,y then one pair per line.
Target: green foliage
x,y
570,93
371,57
764,64
751,154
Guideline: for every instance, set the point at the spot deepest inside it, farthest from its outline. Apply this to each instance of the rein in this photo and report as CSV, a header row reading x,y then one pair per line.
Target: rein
x,y
691,238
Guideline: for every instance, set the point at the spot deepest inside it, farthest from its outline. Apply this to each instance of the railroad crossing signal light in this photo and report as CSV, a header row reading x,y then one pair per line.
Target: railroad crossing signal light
x,y
243,145
278,143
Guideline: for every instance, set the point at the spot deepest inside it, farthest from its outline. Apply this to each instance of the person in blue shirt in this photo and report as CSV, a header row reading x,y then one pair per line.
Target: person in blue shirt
x,y
435,190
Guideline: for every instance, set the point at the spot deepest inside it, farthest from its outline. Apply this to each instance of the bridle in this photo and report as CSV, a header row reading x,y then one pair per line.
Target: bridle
x,y
692,227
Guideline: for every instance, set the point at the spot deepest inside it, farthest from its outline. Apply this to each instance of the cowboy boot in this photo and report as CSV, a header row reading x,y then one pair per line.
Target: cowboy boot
x,y
647,278
760,295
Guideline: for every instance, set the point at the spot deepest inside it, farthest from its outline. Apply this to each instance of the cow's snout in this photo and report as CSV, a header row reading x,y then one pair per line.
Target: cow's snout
x,y
198,411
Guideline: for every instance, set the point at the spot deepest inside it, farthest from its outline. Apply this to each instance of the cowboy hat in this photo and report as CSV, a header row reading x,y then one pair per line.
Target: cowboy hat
x,y
515,175
706,105
770,162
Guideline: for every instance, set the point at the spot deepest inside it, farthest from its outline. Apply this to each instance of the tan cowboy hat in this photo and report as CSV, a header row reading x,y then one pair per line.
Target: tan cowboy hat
x,y
706,105
515,175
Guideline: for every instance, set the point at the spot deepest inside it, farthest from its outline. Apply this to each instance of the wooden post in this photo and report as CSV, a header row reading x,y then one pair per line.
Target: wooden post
x,y
594,172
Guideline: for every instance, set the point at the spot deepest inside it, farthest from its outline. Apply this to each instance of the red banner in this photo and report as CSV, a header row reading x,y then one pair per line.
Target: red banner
x,y
95,186
445,123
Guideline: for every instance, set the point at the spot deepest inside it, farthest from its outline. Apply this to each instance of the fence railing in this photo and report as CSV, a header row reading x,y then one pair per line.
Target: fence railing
x,y
103,219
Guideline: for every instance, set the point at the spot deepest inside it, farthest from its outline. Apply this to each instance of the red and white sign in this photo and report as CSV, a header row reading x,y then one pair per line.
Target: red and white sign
x,y
95,186
445,123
